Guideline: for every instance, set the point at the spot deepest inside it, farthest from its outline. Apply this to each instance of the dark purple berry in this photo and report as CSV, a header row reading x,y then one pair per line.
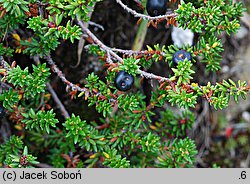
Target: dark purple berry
x,y
181,55
124,81
156,7
2,111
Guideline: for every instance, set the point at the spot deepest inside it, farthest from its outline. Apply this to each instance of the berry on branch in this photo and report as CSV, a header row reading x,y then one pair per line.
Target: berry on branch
x,y
156,7
123,81
181,55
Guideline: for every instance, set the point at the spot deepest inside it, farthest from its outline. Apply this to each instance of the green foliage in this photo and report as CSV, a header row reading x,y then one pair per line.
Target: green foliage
x,y
10,98
48,32
181,154
40,45
133,130
113,160
52,28
24,161
176,125
150,143
182,98
41,119
127,102
210,18
84,134
130,65
5,51
32,84
102,104
211,49
213,16
220,93
12,146
15,7
183,72
72,8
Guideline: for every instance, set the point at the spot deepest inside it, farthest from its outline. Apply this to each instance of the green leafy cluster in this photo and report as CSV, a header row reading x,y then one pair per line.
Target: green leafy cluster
x,y
24,161
48,33
181,98
15,7
211,48
221,92
183,72
209,19
87,136
181,154
9,23
127,102
94,84
40,120
52,27
72,8
10,99
48,30
211,16
5,51
12,146
176,125
114,160
32,84
130,65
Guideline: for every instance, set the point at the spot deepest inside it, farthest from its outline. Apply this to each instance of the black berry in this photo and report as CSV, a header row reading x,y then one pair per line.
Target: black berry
x,y
181,55
2,111
156,7
124,81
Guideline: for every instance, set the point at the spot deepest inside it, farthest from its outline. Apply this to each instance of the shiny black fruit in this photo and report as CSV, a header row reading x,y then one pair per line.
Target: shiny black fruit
x,y
156,7
124,81
2,112
181,55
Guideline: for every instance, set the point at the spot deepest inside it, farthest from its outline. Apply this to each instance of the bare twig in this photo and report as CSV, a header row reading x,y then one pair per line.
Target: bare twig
x,y
4,64
133,12
98,42
57,101
96,25
62,77
69,84
127,52
109,51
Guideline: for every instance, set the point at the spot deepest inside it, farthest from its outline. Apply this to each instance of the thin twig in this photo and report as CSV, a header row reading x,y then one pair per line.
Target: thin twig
x,y
109,50
62,77
128,52
96,25
69,84
4,64
98,42
57,101
133,12
54,95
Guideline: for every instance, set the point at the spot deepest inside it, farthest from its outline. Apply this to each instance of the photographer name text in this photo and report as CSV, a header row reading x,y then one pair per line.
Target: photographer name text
x,y
43,175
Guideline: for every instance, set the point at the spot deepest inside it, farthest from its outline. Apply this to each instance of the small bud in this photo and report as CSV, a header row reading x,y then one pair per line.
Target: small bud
x,y
51,25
